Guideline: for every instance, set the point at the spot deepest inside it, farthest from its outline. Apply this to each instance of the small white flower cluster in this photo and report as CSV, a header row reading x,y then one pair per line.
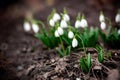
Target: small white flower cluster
x,y
54,19
102,21
81,23
117,18
64,24
27,27
74,41
59,32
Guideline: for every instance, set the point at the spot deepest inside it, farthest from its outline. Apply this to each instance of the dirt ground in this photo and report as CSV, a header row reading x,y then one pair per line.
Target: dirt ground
x,y
23,57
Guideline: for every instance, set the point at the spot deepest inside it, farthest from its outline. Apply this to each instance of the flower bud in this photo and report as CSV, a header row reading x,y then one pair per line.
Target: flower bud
x,y
27,26
70,34
63,24
35,28
66,17
56,17
52,23
103,25
77,24
74,43
56,34
60,31
117,18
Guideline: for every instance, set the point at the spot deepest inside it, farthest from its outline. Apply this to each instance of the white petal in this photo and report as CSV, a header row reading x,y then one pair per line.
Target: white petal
x,y
74,43
60,31
103,25
101,18
66,17
35,28
27,26
63,24
52,23
77,24
117,18
56,34
70,34
56,17
84,23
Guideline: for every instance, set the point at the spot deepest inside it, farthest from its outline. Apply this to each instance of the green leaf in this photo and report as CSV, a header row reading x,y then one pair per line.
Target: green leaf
x,y
101,56
60,52
68,50
84,65
89,63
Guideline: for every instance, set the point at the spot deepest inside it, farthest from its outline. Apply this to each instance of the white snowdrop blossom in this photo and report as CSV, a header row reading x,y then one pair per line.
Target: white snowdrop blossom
x,y
56,17
63,24
77,24
52,23
27,26
66,17
84,23
74,43
78,79
117,18
101,18
60,31
103,25
35,28
70,34
56,33
119,31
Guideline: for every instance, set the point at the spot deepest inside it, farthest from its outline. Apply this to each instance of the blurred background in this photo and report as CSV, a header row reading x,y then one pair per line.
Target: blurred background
x,y
13,12
13,38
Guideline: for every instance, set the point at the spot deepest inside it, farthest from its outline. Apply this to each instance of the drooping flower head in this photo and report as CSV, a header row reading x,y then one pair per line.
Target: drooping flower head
x,y
101,17
27,26
74,43
117,17
35,27
103,25
63,24
70,35
83,22
78,22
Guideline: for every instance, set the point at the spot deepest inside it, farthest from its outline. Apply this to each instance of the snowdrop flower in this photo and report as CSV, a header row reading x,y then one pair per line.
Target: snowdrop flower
x,y
35,28
56,17
60,31
70,34
117,18
63,24
66,17
103,25
56,33
27,26
119,31
77,24
78,79
52,23
74,43
84,23
101,18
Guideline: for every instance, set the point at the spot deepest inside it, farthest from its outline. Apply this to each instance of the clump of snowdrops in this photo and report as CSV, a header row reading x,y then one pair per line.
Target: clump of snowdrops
x,y
65,37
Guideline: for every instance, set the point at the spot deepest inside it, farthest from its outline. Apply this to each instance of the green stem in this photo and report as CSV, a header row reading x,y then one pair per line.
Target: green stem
x,y
82,43
63,49
110,27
